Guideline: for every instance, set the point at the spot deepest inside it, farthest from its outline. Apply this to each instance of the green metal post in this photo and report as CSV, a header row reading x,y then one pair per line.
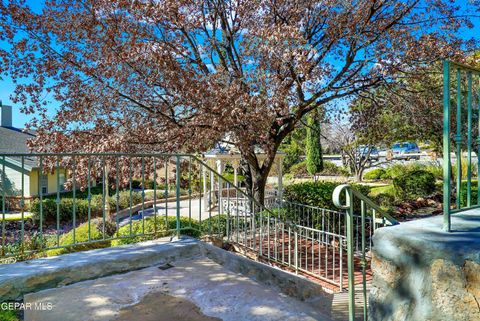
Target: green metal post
x,y
89,197
469,141
166,193
458,138
177,194
131,195
190,191
3,205
58,201
143,195
351,280
446,146
40,171
104,195
478,150
364,261
22,203
117,196
155,195
74,187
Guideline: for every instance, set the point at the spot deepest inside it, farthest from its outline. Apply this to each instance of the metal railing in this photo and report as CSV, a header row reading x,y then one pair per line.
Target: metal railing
x,y
95,200
326,220
347,198
465,96
275,238
107,195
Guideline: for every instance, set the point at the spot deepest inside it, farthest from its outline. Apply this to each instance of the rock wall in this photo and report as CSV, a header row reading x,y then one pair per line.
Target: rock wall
x,y
422,273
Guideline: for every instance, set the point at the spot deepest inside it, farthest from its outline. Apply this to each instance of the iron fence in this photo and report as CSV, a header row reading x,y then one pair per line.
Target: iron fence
x,y
466,96
347,198
112,196
96,200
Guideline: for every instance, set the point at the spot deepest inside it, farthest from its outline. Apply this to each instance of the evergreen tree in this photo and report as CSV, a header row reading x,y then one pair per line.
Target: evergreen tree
x,y
313,144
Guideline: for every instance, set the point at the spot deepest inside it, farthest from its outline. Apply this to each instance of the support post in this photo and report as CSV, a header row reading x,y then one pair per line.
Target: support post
x,y
350,258
205,184
177,194
280,180
446,146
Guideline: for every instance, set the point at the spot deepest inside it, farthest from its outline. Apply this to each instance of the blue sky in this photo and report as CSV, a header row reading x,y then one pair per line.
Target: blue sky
x,y
19,119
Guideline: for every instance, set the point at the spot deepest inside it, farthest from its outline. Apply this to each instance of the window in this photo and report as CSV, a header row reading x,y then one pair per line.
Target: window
x,y
44,184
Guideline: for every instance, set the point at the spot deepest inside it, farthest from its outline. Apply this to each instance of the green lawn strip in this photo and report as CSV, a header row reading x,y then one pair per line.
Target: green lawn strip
x,y
8,315
16,217
386,189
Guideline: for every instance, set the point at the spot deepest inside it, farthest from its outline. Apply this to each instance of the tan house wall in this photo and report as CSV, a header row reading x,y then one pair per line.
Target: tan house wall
x,y
51,182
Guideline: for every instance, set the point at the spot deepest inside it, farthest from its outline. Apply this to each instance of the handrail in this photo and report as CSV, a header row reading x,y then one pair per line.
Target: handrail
x,y
349,189
96,154
460,87
463,66
263,207
350,194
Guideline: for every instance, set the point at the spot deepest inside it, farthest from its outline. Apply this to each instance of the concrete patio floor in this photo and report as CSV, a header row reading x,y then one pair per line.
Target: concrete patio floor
x,y
202,288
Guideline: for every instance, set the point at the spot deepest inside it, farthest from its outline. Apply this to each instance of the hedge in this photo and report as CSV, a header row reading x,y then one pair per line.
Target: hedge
x,y
81,235
148,227
474,193
317,193
374,174
299,170
414,184
49,207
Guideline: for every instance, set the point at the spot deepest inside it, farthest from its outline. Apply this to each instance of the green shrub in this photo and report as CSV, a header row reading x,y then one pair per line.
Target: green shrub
x,y
331,169
384,199
435,169
396,170
317,193
49,207
189,227
124,199
31,243
49,210
299,170
216,224
374,174
137,184
230,177
414,184
81,235
464,168
9,315
474,192
288,177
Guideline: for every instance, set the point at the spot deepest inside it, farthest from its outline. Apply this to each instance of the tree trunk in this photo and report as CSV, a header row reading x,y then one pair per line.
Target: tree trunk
x,y
359,175
259,184
256,178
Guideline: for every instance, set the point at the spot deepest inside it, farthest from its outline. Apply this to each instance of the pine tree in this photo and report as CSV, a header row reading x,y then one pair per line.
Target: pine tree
x,y
313,144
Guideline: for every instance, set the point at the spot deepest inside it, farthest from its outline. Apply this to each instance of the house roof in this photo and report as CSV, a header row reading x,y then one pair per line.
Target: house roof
x,y
13,141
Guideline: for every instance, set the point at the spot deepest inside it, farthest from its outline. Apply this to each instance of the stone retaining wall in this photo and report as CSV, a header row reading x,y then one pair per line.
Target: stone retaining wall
x,y
422,273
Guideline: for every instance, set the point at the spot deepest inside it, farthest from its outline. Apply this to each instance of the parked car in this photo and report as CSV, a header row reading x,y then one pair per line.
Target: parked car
x,y
406,150
364,150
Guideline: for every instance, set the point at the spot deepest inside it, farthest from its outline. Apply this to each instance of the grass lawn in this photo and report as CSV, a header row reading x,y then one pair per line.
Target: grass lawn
x,y
386,189
15,217
8,315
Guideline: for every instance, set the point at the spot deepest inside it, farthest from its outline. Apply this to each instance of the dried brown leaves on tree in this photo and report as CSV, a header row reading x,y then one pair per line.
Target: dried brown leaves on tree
x,y
180,75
